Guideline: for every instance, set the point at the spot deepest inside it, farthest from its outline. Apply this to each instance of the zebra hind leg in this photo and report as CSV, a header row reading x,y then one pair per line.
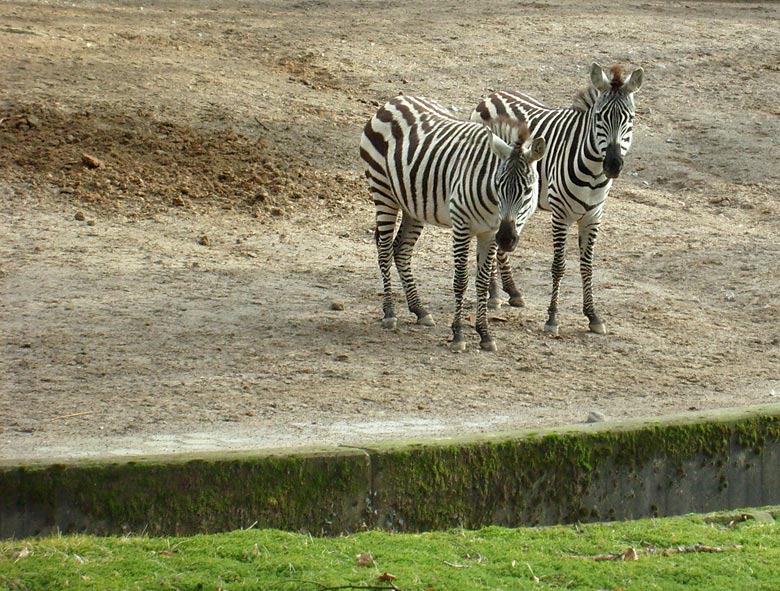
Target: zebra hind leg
x,y
403,247
502,269
385,227
494,299
508,281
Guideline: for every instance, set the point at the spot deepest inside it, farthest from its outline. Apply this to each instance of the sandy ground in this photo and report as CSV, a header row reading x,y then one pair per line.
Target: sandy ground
x,y
187,259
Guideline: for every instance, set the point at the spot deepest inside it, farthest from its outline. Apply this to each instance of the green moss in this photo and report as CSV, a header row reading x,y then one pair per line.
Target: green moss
x,y
549,478
291,492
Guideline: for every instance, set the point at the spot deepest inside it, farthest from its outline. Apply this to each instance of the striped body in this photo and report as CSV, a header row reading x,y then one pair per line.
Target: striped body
x,y
433,168
586,145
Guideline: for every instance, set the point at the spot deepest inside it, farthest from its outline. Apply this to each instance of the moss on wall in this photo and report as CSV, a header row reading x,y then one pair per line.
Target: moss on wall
x,y
541,479
565,475
320,493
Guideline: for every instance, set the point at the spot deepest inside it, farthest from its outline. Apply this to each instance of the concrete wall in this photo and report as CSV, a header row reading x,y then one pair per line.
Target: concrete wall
x,y
694,463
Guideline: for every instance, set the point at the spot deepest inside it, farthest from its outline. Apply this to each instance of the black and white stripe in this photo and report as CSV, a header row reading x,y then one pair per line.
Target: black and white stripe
x,y
586,144
422,161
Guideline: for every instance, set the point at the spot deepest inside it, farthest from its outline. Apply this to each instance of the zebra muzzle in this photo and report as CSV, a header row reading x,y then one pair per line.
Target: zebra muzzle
x,y
613,161
507,236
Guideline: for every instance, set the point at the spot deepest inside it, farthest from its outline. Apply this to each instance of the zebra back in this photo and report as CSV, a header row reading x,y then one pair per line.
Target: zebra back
x,y
418,155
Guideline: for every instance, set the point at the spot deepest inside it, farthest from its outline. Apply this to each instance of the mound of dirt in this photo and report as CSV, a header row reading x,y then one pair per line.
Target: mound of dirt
x,y
136,165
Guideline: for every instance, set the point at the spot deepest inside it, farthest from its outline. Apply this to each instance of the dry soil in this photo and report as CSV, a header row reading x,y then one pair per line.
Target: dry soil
x,y
187,259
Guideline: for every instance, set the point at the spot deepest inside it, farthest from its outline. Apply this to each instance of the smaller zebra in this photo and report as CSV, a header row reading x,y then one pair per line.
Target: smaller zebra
x,y
422,161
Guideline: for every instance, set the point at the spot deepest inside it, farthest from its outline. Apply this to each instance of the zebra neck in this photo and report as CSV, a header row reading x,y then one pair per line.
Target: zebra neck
x,y
588,159
571,148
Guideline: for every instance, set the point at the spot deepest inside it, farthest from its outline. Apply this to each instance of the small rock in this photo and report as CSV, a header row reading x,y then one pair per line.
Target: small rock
x,y
339,306
342,357
80,216
276,212
91,222
178,202
204,241
596,417
91,161
33,121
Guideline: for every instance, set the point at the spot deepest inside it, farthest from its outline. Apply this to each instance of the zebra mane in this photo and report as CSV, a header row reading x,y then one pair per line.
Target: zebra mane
x,y
512,131
586,97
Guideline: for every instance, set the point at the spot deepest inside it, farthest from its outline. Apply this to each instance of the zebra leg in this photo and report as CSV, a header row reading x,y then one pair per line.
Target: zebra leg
x,y
385,227
501,267
403,246
460,252
507,281
494,300
587,238
558,268
486,261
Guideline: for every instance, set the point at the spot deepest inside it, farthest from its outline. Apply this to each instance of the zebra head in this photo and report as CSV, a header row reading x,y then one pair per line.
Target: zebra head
x,y
516,183
613,114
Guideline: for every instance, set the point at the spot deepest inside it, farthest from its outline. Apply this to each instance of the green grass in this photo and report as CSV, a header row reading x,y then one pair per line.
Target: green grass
x,y
492,559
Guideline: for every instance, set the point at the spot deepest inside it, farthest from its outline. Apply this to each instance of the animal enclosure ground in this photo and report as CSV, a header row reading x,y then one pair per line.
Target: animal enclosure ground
x,y
187,259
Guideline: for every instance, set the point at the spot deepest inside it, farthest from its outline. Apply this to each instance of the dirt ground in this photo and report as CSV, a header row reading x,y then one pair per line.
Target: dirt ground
x,y
187,259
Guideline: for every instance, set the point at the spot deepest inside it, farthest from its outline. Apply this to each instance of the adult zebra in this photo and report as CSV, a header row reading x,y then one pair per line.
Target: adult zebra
x,y
586,145
436,169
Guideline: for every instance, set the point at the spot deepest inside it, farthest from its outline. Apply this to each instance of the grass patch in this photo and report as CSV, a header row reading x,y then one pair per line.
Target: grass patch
x,y
723,552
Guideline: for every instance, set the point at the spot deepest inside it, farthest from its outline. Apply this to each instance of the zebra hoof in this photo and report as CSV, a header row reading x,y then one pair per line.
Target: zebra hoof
x,y
551,329
517,301
494,304
389,322
488,345
458,346
426,320
598,327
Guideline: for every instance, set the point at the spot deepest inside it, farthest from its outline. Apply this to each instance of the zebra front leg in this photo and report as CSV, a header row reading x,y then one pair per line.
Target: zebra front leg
x,y
558,268
460,252
403,247
486,261
587,239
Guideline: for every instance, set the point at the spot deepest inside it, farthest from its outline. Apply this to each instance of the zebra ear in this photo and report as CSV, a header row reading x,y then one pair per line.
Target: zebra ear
x,y
599,78
537,150
634,81
498,146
